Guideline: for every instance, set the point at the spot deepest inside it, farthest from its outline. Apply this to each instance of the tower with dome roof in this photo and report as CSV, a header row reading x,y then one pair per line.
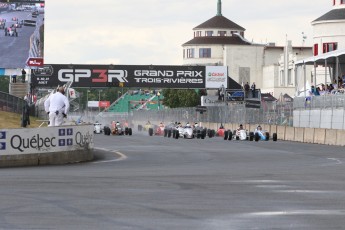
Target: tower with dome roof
x,y
329,29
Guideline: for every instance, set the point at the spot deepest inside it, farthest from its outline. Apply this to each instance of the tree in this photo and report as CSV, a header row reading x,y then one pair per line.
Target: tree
x,y
4,82
175,98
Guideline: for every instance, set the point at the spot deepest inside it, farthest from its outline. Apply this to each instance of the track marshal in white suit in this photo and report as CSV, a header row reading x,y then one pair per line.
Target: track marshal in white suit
x,y
57,106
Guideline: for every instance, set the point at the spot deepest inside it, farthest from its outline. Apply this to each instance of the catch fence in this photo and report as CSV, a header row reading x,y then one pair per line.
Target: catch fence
x,y
276,113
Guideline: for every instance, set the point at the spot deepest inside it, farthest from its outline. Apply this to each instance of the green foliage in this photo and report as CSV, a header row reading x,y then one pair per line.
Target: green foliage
x,y
174,98
4,82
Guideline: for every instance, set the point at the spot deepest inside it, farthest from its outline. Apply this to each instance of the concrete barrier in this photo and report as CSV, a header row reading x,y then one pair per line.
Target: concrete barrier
x,y
319,136
306,135
331,137
309,135
340,137
289,133
281,132
46,146
299,134
273,129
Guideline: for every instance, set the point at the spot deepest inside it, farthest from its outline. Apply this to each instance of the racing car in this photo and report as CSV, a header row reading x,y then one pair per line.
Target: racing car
x,y
239,134
186,131
97,127
17,25
2,25
15,19
10,31
117,129
156,130
260,134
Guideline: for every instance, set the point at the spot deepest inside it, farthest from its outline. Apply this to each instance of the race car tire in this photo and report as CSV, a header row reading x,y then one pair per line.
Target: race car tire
x,y
267,136
126,131
213,133
203,134
256,137
237,138
169,133
130,131
140,128
251,136
230,135
165,132
150,131
274,138
106,130
225,135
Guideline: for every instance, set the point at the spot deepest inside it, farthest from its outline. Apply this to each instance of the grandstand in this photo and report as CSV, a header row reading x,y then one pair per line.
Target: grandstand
x,y
136,100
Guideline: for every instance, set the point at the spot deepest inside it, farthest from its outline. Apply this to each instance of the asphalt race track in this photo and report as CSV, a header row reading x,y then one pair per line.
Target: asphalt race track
x,y
14,51
143,182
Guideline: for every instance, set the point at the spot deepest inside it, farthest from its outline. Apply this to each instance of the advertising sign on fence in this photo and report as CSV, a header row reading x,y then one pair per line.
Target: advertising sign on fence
x,y
46,140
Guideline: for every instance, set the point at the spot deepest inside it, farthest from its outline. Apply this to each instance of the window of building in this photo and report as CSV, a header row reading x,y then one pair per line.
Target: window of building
x,y
342,2
221,33
190,53
198,34
205,53
208,33
328,47
289,77
316,49
282,78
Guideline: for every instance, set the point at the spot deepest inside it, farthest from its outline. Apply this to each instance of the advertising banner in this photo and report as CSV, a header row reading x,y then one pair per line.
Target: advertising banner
x,y
45,140
216,76
135,76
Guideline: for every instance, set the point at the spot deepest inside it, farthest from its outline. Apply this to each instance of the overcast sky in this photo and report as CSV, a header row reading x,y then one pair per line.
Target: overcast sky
x,y
141,32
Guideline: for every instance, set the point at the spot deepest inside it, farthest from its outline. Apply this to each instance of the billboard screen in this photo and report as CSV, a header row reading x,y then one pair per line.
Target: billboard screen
x,y
21,32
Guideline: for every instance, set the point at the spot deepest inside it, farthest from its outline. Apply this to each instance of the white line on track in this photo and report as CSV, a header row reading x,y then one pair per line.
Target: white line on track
x,y
337,162
121,156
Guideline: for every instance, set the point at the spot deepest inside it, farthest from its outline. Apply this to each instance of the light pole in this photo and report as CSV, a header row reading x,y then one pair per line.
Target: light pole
x,y
99,101
158,94
87,102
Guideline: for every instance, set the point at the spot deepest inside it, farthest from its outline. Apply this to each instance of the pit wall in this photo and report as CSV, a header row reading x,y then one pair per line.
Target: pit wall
x,y
286,133
46,145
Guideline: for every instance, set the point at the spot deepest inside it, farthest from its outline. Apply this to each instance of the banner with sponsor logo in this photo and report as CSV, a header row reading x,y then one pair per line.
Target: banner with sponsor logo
x,y
134,76
216,76
44,140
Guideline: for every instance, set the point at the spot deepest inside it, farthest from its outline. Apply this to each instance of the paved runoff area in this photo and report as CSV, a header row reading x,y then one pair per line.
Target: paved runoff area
x,y
143,182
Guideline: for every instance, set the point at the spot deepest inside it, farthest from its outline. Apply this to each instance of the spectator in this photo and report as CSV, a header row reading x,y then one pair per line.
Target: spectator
x,y
23,75
14,78
246,90
253,88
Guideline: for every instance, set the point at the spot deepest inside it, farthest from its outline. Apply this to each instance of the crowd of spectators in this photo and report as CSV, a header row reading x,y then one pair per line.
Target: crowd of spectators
x,y
324,89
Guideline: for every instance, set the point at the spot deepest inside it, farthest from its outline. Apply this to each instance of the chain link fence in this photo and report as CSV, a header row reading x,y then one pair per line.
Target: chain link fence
x,y
11,103
277,113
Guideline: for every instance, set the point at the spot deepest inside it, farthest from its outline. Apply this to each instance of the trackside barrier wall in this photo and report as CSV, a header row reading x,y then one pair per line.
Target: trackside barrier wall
x,y
46,146
286,133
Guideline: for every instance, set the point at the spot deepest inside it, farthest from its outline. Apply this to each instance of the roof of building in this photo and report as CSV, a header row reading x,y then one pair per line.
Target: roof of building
x,y
336,14
267,97
219,22
320,59
217,40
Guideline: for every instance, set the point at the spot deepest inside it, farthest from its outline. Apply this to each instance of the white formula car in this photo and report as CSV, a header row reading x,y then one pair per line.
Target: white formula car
x,y
97,127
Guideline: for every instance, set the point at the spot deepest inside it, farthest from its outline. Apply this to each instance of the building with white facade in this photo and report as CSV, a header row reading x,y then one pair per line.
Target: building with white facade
x,y
220,41
327,64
